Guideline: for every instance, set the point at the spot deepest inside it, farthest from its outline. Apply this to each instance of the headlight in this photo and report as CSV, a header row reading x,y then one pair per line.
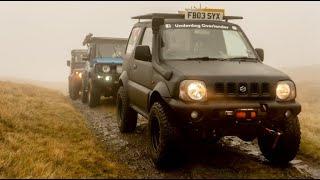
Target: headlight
x,y
108,78
99,77
193,90
119,69
80,75
106,68
286,91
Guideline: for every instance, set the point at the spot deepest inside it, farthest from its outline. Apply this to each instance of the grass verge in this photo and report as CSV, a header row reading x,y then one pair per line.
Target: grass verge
x,y
43,136
309,97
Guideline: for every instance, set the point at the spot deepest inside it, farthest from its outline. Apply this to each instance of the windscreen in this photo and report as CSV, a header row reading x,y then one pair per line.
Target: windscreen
x,y
184,41
77,60
110,49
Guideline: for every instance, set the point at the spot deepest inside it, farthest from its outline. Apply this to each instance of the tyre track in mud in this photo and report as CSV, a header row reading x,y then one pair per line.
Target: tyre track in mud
x,y
230,158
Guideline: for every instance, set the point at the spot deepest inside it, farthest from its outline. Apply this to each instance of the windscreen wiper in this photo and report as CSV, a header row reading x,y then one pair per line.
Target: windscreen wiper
x,y
205,58
242,58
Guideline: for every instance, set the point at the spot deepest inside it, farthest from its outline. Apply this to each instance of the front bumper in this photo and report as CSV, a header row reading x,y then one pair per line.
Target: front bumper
x,y
213,115
178,105
108,83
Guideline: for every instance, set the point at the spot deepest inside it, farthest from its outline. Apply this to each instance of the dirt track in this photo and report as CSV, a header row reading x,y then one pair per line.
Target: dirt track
x,y
230,158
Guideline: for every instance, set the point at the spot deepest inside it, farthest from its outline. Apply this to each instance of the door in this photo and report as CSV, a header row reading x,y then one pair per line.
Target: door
x,y
141,75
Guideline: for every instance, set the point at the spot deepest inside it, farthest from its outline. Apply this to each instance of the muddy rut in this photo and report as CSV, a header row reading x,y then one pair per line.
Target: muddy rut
x,y
230,158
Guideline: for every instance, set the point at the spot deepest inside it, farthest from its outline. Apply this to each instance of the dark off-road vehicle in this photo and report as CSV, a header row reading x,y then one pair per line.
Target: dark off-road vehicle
x,y
203,79
103,68
76,68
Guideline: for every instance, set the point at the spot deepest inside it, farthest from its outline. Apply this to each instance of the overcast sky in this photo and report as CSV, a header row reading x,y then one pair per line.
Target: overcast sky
x,y
36,37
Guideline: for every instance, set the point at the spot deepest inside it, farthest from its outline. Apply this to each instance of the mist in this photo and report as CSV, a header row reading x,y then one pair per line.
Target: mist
x,y
37,37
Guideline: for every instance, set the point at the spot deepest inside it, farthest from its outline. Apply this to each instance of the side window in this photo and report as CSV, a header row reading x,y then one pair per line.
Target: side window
x,y
133,40
72,59
234,44
147,38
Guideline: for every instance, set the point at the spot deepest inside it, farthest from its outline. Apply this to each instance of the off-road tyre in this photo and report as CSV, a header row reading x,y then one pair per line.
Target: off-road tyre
x,y
288,144
84,93
93,95
126,116
73,92
162,136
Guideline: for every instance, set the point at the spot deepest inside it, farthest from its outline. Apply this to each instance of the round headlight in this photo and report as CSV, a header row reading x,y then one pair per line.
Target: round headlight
x,y
193,90
106,68
119,69
285,91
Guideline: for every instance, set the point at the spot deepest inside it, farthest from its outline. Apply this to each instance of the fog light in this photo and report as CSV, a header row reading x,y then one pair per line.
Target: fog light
x,y
108,78
253,115
194,114
99,77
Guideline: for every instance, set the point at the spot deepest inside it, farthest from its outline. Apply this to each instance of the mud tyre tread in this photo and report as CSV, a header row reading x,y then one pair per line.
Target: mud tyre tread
x,y
93,96
126,116
287,146
164,155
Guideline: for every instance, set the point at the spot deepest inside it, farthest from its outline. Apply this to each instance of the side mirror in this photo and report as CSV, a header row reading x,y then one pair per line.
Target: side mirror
x,y
260,53
143,53
68,63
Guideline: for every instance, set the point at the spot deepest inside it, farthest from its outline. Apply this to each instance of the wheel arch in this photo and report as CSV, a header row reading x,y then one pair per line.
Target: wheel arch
x,y
123,79
159,92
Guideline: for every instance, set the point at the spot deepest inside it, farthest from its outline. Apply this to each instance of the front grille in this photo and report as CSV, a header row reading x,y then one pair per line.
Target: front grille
x,y
253,89
112,68
265,88
219,88
231,88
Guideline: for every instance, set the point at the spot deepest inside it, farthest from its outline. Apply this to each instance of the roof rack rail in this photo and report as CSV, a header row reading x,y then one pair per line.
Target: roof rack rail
x,y
176,16
90,38
160,15
231,17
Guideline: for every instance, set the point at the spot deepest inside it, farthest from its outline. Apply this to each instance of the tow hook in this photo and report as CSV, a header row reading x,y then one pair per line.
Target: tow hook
x,y
276,134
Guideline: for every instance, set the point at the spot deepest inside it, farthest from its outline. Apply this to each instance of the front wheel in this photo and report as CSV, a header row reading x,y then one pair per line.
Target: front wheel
x,y
84,93
288,144
73,91
162,135
93,95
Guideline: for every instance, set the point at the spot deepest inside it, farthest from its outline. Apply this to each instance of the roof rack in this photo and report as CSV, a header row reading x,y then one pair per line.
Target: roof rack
x,y
160,15
231,17
89,38
176,16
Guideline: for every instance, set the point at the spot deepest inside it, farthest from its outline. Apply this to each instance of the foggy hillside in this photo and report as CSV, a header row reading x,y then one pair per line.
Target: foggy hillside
x,y
59,86
304,74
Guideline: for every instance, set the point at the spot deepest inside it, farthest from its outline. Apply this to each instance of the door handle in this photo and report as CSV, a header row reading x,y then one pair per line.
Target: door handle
x,y
135,66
